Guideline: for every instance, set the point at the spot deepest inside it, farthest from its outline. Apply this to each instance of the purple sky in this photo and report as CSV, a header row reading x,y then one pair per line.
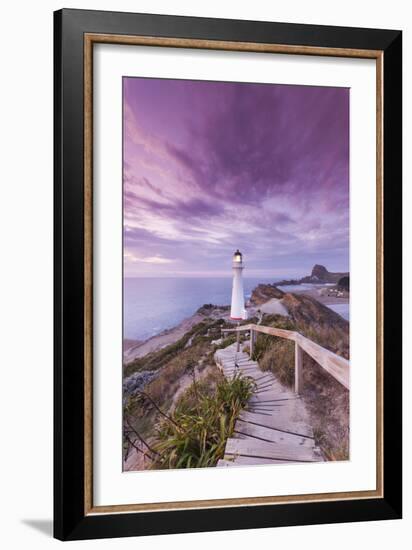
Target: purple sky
x,y
211,166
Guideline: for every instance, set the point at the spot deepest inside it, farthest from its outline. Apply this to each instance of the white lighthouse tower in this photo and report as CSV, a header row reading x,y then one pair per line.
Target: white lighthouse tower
x,y
237,310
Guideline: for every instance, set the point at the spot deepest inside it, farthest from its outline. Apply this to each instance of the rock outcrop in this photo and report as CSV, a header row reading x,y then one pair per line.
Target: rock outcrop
x,y
137,381
308,310
263,293
319,275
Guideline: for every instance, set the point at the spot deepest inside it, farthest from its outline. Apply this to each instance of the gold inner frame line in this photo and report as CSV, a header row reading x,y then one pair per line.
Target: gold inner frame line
x,y
89,40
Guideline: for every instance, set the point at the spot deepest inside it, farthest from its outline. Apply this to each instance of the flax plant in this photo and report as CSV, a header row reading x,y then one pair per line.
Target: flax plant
x,y
196,435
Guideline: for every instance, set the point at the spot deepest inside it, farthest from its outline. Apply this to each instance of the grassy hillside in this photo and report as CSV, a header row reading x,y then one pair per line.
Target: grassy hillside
x,y
178,366
195,434
181,414
326,399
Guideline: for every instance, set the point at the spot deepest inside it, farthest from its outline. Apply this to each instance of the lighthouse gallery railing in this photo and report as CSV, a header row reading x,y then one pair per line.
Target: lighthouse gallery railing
x,y
335,365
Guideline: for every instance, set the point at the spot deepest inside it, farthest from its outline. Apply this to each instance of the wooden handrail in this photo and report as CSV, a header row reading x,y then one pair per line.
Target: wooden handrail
x,y
334,364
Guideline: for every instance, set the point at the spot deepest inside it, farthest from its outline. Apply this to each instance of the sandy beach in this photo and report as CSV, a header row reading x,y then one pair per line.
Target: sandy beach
x,y
169,336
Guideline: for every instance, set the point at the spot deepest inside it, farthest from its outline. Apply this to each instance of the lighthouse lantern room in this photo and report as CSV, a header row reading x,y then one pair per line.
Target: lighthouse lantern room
x,y
237,310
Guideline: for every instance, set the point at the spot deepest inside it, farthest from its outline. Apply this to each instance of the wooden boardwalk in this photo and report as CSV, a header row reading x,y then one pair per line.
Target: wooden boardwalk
x,y
274,427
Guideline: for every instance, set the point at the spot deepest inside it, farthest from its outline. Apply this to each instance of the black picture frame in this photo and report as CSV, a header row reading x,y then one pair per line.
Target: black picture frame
x,y
70,520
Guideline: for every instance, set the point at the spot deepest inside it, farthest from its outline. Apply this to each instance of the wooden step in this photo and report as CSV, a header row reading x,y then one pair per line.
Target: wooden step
x,y
255,461
272,395
266,374
231,365
268,403
268,386
234,372
245,368
273,428
278,422
271,411
247,429
272,401
232,359
265,381
225,463
262,449
278,403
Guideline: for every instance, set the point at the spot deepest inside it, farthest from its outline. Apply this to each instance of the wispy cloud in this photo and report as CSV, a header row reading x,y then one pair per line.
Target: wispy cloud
x,y
131,257
210,167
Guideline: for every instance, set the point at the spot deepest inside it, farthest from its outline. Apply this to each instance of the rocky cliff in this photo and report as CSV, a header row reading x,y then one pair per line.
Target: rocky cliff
x,y
319,275
300,307
263,293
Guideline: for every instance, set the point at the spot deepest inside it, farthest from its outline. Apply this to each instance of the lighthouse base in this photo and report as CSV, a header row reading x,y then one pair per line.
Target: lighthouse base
x,y
242,318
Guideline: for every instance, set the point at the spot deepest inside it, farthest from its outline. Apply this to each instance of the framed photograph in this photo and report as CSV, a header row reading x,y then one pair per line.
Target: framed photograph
x,y
227,274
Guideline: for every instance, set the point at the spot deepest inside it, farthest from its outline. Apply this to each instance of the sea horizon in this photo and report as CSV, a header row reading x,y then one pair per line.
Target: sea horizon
x,y
263,277
154,304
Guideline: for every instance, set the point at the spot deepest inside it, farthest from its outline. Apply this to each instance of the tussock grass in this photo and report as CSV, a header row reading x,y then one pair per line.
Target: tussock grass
x,y
196,435
327,400
203,332
229,340
173,362
279,358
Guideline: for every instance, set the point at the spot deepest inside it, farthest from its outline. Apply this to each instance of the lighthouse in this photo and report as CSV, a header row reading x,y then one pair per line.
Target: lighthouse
x,y
237,310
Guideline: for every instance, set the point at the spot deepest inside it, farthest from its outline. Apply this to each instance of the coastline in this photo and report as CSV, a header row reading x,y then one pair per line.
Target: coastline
x,y
325,300
172,335
136,349
168,364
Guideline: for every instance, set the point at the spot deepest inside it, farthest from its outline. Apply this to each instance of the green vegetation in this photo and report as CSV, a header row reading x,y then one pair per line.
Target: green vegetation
x,y
277,354
205,331
229,340
174,363
195,435
189,409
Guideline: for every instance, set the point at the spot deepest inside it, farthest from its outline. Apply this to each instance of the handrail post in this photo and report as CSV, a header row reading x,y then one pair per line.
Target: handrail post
x,y
298,368
334,364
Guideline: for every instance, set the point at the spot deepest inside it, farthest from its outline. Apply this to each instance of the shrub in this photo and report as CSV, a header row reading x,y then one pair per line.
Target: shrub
x,y
229,340
246,349
196,434
279,357
202,332
262,344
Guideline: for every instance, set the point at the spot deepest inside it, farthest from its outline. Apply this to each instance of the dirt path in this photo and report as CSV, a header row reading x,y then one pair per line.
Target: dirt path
x,y
187,380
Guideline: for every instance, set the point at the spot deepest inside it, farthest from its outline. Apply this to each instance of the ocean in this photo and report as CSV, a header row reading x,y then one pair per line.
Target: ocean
x,y
151,305
342,309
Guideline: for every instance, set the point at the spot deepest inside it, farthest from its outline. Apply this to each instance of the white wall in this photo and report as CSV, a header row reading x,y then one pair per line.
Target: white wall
x,y
26,271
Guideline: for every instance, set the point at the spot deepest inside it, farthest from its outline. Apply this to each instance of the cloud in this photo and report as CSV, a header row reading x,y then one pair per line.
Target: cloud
x,y
131,257
212,166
